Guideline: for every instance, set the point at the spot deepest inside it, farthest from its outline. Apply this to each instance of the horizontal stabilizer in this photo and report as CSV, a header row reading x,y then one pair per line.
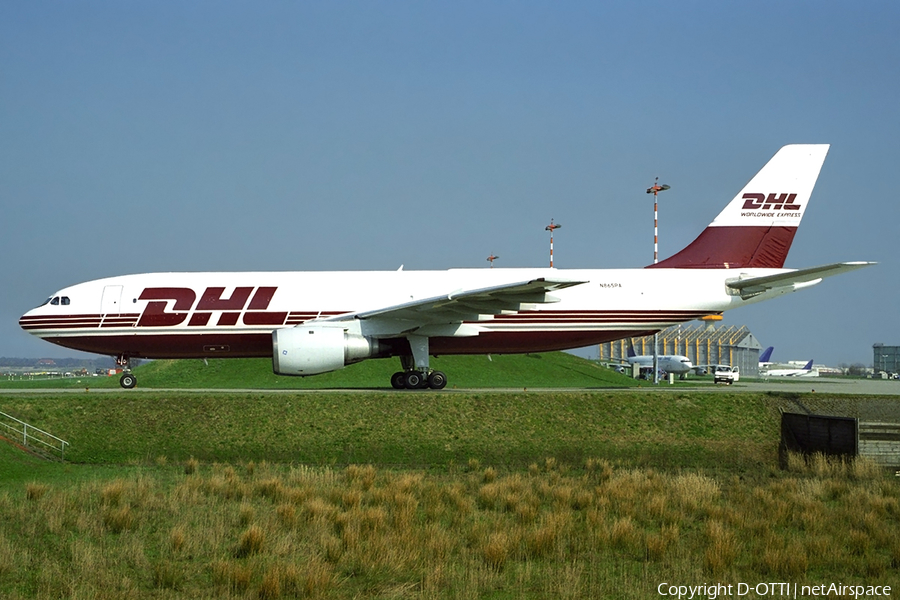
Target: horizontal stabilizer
x,y
753,286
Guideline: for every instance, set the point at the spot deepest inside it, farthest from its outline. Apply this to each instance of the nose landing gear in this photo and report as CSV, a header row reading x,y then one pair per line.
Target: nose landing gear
x,y
127,381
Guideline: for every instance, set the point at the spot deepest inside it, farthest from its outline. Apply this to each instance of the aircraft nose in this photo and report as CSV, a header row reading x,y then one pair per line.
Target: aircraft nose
x,y
29,320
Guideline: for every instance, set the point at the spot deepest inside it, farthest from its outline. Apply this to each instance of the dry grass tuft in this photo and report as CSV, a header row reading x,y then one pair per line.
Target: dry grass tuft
x,y
113,492
863,468
271,489
317,577
177,538
489,475
782,558
496,550
233,577
857,468
167,575
35,491
271,586
545,540
119,519
722,548
695,491
351,498
246,514
658,544
623,534
251,542
601,469
287,514
363,476
7,556
191,466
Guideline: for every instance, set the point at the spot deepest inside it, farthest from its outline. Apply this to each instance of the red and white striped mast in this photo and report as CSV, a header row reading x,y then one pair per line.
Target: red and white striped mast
x,y
550,228
655,189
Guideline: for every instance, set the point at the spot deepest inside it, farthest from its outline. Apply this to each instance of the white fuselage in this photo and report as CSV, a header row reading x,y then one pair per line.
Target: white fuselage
x,y
179,315
665,362
790,373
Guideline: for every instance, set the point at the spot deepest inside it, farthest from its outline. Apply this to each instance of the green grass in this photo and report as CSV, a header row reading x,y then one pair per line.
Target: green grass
x,y
383,494
16,465
552,369
404,429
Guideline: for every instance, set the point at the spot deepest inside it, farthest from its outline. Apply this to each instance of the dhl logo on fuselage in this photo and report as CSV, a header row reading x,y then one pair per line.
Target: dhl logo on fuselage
x,y
230,309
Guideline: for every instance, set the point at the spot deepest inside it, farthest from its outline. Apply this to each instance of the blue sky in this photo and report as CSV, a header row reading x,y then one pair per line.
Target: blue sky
x,y
138,136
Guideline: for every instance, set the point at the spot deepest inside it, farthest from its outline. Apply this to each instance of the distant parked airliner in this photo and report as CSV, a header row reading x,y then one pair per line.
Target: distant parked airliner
x,y
316,322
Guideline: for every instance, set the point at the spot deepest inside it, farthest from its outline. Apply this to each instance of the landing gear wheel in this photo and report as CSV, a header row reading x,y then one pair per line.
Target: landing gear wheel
x,y
398,380
128,381
437,380
415,380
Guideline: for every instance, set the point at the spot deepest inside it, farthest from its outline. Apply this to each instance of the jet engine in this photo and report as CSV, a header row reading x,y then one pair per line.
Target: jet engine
x,y
314,349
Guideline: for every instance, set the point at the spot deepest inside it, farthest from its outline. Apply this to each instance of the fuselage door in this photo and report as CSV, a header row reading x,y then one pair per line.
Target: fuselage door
x,y
112,298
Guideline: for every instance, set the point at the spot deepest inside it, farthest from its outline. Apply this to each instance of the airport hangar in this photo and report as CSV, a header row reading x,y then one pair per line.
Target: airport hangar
x,y
703,344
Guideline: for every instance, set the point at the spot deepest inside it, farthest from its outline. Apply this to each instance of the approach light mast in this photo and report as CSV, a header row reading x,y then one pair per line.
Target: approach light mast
x,y
551,227
655,189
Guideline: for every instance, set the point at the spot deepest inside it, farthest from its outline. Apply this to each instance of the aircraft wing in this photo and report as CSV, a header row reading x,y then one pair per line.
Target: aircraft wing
x,y
465,305
752,286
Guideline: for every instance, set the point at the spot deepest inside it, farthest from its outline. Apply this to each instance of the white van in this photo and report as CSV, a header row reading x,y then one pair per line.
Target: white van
x,y
727,374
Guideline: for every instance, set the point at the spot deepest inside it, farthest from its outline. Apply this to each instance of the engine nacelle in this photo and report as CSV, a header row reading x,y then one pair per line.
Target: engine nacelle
x,y
314,349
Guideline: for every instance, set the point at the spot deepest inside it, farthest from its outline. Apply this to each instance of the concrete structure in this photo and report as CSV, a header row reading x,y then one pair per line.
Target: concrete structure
x,y
886,358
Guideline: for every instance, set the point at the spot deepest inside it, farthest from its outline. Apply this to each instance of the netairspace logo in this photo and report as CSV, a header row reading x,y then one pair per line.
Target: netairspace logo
x,y
772,590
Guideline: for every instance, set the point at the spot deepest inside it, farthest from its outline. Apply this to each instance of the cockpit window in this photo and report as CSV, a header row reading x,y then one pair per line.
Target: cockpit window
x,y
56,301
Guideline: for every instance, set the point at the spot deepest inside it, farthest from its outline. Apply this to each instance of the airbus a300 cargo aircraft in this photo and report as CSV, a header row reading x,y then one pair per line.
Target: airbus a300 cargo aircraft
x,y
316,322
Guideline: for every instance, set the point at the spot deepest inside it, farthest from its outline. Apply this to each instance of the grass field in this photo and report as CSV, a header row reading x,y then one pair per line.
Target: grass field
x,y
404,429
551,369
351,494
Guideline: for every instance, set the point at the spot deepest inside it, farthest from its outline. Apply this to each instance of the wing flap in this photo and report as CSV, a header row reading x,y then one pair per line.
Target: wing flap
x,y
467,305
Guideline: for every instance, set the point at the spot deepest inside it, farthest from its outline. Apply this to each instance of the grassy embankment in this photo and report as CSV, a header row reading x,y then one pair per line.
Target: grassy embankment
x,y
372,495
551,369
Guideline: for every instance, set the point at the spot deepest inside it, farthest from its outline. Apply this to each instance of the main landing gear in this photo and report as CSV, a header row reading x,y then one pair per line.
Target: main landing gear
x,y
415,374
127,380
417,380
